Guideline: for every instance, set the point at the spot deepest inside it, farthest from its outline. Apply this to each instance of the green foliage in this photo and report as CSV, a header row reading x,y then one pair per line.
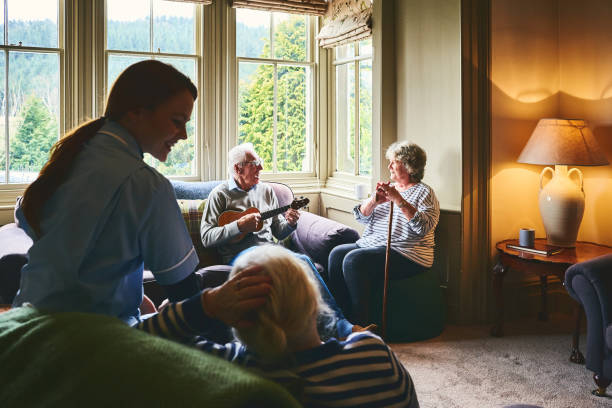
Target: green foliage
x,y
36,133
256,99
34,79
365,118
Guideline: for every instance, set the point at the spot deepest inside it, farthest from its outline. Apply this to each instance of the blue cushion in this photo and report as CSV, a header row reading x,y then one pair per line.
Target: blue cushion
x,y
193,190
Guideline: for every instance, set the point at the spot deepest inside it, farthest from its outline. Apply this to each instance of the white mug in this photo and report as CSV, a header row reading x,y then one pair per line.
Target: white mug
x,y
361,191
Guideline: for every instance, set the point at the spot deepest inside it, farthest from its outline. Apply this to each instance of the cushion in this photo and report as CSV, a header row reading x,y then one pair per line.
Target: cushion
x,y
193,190
78,359
192,215
316,236
14,246
283,193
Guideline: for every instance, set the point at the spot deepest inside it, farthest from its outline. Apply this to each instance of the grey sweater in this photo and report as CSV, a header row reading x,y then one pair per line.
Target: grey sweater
x,y
221,199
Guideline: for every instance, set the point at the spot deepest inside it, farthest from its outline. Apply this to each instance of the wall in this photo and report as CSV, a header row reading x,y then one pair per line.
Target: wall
x,y
550,58
428,110
6,215
428,54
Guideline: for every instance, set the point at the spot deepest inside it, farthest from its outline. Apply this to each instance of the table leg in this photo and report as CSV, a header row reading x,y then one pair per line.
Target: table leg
x,y
576,356
543,315
499,271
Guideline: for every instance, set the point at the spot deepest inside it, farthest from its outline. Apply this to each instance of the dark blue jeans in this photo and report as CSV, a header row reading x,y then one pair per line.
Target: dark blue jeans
x,y
354,274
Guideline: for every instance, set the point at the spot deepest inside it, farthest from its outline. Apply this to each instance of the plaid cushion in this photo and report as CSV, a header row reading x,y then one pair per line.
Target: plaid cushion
x,y
192,215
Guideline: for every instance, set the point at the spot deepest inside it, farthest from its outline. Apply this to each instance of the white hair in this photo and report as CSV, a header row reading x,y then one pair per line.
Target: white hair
x,y
294,300
237,154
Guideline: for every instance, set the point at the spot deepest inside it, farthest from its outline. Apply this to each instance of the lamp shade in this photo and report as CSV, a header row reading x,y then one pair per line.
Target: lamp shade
x,y
563,141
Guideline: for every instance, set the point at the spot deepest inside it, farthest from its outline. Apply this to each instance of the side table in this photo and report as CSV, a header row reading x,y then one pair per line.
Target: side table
x,y
543,266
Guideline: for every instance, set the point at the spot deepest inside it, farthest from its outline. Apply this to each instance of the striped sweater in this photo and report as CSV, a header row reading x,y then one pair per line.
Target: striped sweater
x,y
415,238
360,371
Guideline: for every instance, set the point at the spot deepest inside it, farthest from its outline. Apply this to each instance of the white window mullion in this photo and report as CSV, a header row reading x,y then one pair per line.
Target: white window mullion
x,y
356,135
275,120
151,25
6,109
6,94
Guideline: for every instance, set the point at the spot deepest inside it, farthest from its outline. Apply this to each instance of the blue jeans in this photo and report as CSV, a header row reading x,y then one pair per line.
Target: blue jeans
x,y
343,326
354,272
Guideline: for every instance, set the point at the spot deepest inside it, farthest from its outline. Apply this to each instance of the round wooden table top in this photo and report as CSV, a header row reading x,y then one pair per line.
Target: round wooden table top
x,y
582,252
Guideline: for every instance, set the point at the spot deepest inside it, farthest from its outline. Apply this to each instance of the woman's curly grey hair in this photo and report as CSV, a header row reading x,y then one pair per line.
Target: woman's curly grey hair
x,y
411,156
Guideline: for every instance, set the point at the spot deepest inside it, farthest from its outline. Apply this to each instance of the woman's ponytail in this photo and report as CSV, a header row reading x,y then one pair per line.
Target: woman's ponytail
x,y
54,172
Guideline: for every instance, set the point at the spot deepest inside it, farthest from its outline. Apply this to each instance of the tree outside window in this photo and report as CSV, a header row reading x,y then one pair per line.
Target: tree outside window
x,y
164,30
275,88
29,87
353,107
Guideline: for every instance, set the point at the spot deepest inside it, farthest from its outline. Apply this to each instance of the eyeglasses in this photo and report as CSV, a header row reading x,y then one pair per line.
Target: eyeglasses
x,y
255,163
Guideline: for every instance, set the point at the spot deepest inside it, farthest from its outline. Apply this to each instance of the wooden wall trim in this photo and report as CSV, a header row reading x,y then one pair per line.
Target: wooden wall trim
x,y
476,161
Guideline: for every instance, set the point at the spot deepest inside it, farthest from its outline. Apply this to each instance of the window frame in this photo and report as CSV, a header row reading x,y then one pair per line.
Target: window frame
x,y
102,85
341,179
10,191
306,180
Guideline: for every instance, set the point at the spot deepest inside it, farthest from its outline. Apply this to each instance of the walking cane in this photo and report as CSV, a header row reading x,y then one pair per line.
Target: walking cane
x,y
386,283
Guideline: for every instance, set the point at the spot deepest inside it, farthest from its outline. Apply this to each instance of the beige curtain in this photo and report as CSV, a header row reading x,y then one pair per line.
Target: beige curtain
x,y
204,2
346,21
313,7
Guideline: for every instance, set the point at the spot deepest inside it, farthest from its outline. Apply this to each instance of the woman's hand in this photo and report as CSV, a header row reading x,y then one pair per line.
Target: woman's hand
x,y
381,194
390,193
235,301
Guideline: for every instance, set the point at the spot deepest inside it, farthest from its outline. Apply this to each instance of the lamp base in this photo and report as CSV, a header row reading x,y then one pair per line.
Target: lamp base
x,y
563,244
561,207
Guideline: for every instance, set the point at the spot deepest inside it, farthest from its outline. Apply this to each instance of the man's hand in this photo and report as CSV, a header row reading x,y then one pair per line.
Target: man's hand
x,y
292,216
235,301
250,222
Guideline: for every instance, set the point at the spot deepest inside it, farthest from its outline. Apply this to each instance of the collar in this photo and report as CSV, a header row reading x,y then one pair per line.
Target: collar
x,y
114,131
231,182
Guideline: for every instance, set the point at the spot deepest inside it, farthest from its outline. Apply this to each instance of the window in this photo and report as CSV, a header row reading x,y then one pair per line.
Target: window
x,y
30,86
275,77
353,108
137,30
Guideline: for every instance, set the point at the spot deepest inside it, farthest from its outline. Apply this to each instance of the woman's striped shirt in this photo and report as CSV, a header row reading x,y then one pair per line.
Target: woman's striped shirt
x,y
412,238
360,371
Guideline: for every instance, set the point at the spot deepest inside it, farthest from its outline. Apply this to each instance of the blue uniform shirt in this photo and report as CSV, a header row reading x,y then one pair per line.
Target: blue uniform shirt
x,y
112,217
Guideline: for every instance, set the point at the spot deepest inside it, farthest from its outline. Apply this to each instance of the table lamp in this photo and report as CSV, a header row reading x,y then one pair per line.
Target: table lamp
x,y
562,142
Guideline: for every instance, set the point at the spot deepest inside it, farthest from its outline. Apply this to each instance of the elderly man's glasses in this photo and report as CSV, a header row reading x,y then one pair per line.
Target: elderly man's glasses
x,y
254,163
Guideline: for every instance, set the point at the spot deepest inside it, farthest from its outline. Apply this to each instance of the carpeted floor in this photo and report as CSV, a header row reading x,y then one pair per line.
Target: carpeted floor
x,y
465,367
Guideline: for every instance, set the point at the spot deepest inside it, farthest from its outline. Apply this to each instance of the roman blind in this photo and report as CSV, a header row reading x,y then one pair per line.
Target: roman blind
x,y
346,21
205,2
313,7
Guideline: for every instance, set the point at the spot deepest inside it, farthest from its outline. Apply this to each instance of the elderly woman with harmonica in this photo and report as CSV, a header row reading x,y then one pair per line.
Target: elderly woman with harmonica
x,y
355,268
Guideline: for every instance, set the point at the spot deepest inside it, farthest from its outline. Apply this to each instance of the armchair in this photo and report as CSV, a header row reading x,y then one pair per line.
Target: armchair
x,y
590,283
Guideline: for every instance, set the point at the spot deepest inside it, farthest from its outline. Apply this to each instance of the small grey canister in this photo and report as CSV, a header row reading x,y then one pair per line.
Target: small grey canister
x,y
527,237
